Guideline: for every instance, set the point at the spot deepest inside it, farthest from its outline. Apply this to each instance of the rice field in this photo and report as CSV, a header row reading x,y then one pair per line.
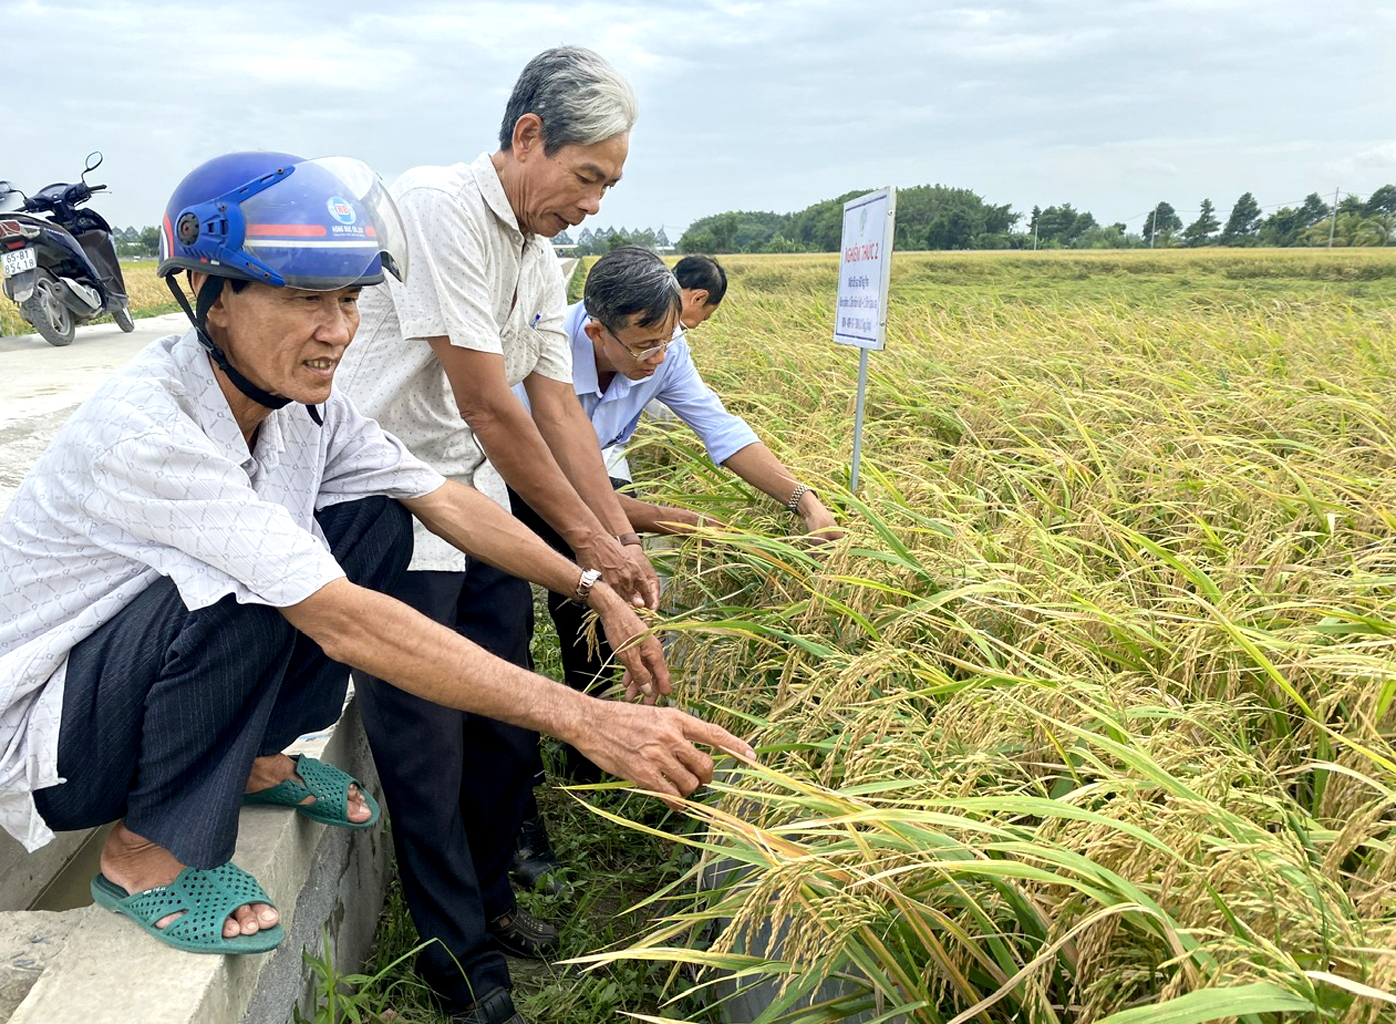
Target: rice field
x,y
1090,717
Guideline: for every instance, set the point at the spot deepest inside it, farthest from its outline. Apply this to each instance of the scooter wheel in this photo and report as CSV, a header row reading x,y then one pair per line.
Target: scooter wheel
x,y
46,311
123,319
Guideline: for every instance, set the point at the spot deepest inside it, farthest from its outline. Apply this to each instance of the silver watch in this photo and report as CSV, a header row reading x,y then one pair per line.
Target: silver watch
x,y
584,585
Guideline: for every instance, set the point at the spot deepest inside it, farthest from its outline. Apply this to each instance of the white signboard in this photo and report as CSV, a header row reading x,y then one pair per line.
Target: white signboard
x,y
865,270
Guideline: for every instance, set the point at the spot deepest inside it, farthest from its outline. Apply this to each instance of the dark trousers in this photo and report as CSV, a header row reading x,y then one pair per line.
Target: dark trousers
x,y
581,669
164,709
456,784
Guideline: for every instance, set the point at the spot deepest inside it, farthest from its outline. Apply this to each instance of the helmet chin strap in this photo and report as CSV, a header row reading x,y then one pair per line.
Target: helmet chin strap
x,y
208,295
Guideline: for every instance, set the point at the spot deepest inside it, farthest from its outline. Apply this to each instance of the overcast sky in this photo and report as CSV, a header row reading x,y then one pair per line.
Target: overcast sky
x,y
1110,105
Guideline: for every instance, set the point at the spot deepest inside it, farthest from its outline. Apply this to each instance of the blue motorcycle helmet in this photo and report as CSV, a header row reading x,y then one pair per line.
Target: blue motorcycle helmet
x,y
278,220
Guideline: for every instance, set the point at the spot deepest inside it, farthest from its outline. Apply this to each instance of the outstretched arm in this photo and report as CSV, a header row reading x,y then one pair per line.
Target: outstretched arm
x,y
529,465
652,747
475,524
688,395
572,439
646,517
758,466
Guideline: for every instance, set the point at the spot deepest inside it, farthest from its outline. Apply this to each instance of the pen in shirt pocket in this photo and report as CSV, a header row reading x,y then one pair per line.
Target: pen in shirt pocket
x,y
536,317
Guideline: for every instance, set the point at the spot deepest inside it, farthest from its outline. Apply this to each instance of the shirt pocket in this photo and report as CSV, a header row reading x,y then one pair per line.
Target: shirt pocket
x,y
520,338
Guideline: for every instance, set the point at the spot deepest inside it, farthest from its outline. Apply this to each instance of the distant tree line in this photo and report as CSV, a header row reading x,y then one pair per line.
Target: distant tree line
x,y
136,242
928,217
603,240
938,217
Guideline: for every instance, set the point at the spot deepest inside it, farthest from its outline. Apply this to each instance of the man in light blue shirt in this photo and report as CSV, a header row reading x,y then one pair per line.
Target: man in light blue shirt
x,y
615,389
628,349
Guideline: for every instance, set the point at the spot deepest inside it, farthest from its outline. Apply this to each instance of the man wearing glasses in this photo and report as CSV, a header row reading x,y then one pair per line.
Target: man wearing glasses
x,y
628,349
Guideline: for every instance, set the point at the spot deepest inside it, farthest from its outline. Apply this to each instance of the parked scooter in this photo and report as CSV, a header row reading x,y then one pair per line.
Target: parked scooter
x,y
59,262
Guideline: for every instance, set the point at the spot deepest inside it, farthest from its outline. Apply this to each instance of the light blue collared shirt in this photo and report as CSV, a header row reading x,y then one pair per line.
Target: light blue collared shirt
x,y
615,413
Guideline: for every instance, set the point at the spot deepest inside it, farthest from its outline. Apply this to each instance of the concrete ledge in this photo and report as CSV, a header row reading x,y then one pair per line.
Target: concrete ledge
x,y
29,940
95,967
25,877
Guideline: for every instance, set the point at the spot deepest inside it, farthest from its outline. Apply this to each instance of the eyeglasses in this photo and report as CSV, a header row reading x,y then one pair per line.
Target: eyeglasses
x,y
642,354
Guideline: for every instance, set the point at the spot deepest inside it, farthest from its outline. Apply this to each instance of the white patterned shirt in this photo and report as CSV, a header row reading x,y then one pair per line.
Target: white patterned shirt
x,y
478,280
151,477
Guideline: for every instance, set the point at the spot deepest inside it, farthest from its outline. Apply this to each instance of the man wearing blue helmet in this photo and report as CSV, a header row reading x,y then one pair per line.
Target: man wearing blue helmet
x,y
187,570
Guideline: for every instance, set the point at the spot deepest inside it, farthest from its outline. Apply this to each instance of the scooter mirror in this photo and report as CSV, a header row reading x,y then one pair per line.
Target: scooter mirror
x,y
94,160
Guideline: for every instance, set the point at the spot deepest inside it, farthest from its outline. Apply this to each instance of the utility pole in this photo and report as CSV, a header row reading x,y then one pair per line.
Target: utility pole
x,y
1154,233
1333,219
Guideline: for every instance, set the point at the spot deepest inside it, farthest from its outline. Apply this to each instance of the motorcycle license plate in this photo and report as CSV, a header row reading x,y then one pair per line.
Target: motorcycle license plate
x,y
18,262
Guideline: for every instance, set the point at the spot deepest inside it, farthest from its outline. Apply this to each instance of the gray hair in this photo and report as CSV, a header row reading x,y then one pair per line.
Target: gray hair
x,y
579,97
628,281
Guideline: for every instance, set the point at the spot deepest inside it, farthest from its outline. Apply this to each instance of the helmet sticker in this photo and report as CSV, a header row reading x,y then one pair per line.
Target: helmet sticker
x,y
341,210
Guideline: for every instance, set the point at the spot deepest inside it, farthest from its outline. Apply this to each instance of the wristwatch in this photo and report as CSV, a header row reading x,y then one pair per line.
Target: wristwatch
x,y
584,585
793,503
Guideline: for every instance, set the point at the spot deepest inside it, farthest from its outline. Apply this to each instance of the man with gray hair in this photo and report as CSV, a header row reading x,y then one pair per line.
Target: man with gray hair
x,y
434,364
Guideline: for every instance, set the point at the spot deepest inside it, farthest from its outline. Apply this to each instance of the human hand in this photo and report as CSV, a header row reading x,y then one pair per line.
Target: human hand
x,y
620,570
692,521
820,523
655,747
641,563
646,673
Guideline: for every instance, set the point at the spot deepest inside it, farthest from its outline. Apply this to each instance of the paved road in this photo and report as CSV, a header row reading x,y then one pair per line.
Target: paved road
x,y
41,385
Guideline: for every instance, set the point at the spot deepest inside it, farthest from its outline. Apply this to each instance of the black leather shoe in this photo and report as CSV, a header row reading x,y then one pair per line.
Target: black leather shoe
x,y
535,865
521,934
495,1007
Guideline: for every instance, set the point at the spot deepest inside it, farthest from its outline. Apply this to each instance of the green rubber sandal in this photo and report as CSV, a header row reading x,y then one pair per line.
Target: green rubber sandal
x,y
207,896
330,788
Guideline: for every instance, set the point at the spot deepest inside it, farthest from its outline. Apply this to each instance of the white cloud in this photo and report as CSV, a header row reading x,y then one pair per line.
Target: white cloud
x,y
1372,162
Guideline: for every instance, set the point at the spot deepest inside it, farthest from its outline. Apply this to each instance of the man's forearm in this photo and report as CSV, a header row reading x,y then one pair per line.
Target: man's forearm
x,y
525,459
512,443
385,638
758,466
653,747
646,517
472,522
476,525
572,440
542,484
